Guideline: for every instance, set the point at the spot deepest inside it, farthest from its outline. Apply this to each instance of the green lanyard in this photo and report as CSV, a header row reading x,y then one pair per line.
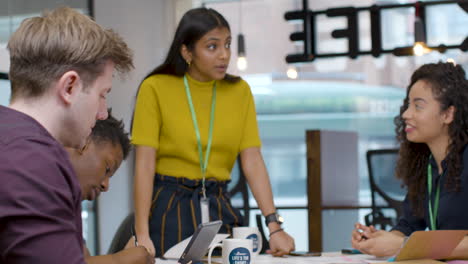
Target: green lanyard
x,y
432,212
203,163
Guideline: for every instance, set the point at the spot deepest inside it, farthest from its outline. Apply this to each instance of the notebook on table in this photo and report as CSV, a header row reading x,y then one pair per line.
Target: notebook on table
x,y
424,246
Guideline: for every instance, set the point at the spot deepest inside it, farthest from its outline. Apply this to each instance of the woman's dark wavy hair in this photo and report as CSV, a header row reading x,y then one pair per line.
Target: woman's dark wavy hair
x,y
192,27
449,86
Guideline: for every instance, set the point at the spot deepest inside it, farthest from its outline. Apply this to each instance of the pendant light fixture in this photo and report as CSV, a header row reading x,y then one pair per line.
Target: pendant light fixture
x,y
420,48
292,73
241,55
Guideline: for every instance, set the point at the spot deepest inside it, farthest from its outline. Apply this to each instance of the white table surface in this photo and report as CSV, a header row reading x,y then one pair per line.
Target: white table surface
x,y
326,258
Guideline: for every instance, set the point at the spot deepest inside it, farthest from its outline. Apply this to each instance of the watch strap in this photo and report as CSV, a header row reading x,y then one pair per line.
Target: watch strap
x,y
273,217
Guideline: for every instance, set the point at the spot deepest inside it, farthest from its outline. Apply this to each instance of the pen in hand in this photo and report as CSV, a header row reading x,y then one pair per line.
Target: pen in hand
x,y
361,232
134,235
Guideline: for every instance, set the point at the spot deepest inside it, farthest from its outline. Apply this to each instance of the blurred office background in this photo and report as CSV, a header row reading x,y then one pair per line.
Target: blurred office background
x,y
361,95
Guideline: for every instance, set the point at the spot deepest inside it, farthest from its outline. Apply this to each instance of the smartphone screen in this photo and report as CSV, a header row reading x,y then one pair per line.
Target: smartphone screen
x,y
350,251
304,253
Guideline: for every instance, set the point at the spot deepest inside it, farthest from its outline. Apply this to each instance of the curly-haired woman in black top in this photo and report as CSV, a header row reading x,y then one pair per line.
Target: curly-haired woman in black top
x,y
432,129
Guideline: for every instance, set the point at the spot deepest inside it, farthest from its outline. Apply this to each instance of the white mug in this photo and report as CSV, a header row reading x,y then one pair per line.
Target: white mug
x,y
234,251
249,233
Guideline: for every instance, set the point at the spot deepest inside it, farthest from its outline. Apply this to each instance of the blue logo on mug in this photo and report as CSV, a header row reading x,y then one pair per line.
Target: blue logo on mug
x,y
254,237
239,255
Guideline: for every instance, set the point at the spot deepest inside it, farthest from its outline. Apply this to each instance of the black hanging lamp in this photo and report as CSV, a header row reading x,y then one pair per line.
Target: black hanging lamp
x,y
420,47
241,55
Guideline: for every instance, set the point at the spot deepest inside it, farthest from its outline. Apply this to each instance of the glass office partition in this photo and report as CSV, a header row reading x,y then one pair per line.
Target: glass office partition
x,y
12,12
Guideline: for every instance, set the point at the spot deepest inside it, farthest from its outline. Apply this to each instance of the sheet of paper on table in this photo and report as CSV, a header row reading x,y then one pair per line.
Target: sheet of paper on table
x,y
326,259
176,251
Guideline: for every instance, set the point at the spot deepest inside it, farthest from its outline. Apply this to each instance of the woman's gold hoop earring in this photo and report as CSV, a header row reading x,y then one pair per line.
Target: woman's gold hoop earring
x,y
188,63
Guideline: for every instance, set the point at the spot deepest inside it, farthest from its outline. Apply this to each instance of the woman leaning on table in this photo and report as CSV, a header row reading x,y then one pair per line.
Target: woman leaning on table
x,y
432,130
191,121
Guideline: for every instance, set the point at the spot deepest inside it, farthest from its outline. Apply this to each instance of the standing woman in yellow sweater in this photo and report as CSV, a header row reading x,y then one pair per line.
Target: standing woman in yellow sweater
x,y
191,121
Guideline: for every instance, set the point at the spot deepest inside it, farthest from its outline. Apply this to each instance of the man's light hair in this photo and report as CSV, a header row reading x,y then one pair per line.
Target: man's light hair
x,y
45,47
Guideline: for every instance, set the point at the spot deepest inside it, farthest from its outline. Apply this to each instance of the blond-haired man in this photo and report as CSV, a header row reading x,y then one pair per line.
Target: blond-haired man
x,y
61,68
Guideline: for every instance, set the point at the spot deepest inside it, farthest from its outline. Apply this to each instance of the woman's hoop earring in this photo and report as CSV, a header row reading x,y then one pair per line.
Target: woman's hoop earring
x,y
188,63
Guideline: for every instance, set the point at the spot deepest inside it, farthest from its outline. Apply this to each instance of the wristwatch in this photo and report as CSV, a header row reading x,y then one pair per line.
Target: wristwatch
x,y
274,217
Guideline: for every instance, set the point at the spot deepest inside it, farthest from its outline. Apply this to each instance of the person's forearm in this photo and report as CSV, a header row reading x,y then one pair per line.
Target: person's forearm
x,y
143,186
398,233
461,251
126,256
257,177
86,251
105,259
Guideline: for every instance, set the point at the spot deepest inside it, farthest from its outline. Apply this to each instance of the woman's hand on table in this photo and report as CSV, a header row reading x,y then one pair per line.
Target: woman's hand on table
x,y
281,243
376,242
144,241
361,232
135,255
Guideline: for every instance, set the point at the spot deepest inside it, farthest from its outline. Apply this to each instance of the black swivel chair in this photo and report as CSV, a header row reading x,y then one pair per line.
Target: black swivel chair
x,y
122,235
384,185
241,187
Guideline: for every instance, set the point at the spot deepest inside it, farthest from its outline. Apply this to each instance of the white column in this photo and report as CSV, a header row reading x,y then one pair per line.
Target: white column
x,y
148,27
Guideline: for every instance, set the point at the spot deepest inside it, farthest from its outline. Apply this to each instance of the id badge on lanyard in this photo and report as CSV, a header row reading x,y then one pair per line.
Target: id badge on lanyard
x,y
204,201
205,209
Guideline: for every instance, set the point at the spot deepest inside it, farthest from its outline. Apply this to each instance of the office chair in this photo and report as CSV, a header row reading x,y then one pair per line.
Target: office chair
x,y
383,183
241,187
122,235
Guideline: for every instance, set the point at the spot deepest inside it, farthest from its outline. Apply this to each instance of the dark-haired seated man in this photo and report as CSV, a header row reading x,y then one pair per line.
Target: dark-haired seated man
x,y
94,164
